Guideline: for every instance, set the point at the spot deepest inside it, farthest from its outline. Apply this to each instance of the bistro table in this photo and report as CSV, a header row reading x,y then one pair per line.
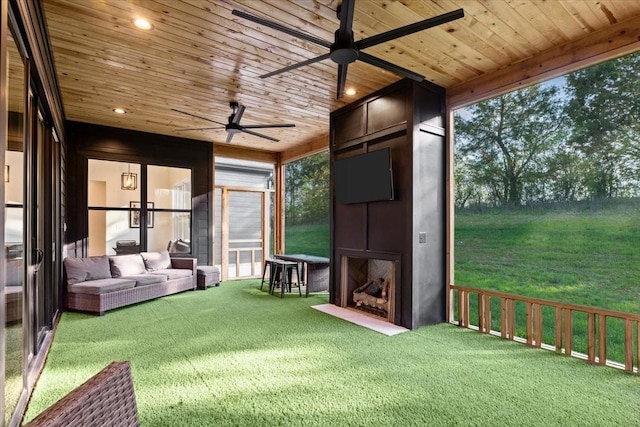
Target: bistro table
x,y
314,271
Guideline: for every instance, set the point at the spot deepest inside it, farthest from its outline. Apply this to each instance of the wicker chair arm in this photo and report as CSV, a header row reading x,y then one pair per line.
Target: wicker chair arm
x,y
106,399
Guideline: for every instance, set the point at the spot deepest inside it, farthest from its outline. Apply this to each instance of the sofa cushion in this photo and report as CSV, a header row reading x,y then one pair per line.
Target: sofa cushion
x,y
102,286
147,279
126,265
82,269
156,260
174,273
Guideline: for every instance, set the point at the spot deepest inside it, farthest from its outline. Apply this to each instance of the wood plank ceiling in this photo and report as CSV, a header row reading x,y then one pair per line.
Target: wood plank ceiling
x,y
198,57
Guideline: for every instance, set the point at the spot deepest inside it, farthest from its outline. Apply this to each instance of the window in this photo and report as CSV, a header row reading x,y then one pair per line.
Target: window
x,y
119,222
182,220
169,196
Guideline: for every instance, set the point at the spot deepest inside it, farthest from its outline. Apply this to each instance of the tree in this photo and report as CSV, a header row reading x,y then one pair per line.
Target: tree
x,y
307,189
504,139
604,108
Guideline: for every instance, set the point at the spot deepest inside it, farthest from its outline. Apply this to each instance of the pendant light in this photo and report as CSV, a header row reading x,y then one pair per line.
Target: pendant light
x,y
129,180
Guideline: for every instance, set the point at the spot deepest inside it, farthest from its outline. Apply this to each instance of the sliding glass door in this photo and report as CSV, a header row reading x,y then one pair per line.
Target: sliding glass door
x,y
14,190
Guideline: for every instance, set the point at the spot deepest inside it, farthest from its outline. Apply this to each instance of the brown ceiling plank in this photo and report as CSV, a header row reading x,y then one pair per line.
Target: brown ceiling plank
x,y
234,152
306,148
427,44
608,43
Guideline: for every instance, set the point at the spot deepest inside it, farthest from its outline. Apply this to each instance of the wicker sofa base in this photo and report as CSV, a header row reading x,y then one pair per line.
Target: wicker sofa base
x,y
99,303
13,303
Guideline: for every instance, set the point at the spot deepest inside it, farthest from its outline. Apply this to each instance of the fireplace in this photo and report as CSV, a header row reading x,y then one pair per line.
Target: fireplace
x,y
368,283
405,237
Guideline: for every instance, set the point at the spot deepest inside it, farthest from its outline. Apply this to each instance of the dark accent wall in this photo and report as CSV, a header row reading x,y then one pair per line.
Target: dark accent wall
x,y
87,141
408,118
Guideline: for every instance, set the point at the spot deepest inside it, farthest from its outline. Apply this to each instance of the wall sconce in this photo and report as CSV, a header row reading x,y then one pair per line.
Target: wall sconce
x,y
6,173
129,180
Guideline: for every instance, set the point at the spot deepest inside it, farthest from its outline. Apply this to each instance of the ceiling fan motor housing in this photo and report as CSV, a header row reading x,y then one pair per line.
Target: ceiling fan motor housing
x,y
344,50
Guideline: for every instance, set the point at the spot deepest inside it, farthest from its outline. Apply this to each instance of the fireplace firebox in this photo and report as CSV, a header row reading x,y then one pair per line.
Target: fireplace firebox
x,y
368,284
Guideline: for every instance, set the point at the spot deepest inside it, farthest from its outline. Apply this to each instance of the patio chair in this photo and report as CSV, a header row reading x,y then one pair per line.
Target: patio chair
x,y
106,399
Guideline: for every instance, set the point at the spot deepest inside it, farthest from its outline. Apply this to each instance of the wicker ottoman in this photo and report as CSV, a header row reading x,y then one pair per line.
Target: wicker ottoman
x,y
208,276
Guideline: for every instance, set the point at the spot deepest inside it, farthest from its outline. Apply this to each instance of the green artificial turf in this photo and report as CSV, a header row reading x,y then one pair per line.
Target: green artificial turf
x,y
235,355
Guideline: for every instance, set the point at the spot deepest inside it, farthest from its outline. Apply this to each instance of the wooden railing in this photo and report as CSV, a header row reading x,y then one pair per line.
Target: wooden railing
x,y
471,305
253,249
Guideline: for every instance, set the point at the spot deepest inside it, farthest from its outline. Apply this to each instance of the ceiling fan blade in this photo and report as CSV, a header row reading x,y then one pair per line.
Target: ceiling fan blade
x,y
284,125
217,127
286,30
238,114
229,137
342,79
369,59
296,65
258,134
346,16
410,29
199,117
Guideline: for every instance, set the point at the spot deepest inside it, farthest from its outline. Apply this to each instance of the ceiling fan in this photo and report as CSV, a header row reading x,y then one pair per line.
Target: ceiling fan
x,y
234,126
344,50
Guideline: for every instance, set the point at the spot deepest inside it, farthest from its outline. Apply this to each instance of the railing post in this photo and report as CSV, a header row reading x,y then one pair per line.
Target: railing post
x,y
602,339
591,337
460,310
529,327
628,345
511,309
481,326
638,349
465,311
568,331
558,329
537,315
503,317
487,313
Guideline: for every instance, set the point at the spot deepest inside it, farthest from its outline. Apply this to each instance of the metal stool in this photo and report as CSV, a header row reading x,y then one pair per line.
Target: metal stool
x,y
283,275
268,263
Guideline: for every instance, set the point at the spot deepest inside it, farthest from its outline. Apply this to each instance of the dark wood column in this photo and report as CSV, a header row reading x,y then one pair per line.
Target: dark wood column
x,y
408,118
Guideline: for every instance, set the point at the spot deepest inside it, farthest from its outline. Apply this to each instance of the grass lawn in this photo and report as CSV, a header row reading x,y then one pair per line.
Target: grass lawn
x,y
310,239
586,253
582,256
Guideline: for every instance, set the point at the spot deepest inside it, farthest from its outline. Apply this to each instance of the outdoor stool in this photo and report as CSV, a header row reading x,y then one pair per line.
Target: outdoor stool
x,y
283,275
270,264
208,276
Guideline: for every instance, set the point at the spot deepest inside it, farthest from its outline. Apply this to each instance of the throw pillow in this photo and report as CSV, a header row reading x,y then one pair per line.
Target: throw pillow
x,y
155,261
83,269
126,265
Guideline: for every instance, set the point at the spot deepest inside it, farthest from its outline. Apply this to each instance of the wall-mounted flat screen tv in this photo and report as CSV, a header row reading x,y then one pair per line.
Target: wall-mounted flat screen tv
x,y
364,178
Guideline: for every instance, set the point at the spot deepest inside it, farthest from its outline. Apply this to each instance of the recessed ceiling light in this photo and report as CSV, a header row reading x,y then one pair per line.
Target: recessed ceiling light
x,y
119,111
142,23
351,91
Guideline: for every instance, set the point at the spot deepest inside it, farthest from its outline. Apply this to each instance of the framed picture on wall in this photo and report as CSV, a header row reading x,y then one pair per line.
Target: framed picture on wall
x,y
134,215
